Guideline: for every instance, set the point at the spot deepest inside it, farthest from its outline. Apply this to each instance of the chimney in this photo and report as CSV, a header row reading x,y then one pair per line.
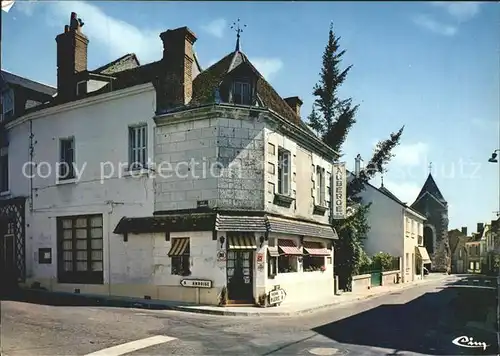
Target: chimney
x,y
464,230
71,57
480,227
176,81
357,165
295,103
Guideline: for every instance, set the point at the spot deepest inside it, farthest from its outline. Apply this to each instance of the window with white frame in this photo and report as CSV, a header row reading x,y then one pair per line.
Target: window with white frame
x,y
67,158
320,186
284,171
7,104
241,93
138,146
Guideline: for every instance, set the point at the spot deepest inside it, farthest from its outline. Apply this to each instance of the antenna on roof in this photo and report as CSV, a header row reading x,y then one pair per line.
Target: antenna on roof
x,y
430,168
382,181
236,26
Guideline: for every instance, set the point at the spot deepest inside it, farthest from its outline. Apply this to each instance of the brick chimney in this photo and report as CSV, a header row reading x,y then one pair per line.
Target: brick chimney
x,y
295,103
464,230
72,47
176,88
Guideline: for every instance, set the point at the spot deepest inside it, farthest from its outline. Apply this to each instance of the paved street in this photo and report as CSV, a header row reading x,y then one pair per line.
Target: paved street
x,y
419,320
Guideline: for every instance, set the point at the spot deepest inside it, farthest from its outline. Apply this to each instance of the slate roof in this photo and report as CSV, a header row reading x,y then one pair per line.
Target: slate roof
x,y
128,61
11,78
431,187
240,223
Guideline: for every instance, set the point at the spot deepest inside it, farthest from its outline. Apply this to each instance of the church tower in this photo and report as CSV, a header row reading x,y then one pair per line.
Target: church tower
x,y
431,203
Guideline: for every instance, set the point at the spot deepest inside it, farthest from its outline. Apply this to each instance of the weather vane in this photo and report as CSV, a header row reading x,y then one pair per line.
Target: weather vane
x,y
236,26
430,167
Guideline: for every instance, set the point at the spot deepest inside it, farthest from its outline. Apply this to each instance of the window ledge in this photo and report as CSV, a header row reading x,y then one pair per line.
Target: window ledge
x,y
319,209
283,200
136,173
5,193
66,181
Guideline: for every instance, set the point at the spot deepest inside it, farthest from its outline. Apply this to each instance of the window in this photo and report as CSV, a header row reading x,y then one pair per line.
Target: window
x,y
288,253
7,104
67,158
80,249
320,186
241,93
460,253
179,254
471,265
407,262
287,264
138,147
284,168
4,172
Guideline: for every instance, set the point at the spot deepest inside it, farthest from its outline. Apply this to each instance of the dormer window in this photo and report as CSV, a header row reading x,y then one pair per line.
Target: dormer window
x,y
241,93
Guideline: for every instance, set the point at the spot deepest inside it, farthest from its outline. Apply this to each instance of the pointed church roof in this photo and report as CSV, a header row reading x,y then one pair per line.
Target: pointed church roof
x,y
431,187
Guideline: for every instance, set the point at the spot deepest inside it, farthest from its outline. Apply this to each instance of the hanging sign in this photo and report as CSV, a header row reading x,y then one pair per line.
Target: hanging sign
x,y
339,191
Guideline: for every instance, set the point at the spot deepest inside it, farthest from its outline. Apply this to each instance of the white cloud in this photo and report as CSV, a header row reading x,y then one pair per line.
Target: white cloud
x,y
459,10
432,25
406,191
268,67
26,7
215,28
115,35
412,154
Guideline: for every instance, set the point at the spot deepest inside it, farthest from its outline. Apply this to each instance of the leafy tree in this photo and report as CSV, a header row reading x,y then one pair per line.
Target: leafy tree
x,y
332,118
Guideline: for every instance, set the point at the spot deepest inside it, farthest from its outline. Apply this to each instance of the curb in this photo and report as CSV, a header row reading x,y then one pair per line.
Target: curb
x,y
303,311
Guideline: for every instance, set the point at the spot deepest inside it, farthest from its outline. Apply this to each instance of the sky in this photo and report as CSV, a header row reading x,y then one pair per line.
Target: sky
x,y
431,66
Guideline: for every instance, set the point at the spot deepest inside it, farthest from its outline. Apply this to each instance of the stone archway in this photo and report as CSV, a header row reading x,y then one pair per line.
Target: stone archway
x,y
430,239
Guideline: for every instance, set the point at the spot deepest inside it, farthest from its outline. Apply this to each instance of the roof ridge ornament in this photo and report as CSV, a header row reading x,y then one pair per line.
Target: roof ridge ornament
x,y
238,29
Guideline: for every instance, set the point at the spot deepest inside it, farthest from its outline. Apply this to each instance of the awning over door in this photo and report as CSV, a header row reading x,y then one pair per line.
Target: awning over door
x,y
422,252
179,246
288,247
315,249
273,251
241,243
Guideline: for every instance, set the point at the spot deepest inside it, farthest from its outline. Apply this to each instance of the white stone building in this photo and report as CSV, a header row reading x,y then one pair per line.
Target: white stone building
x,y
182,184
396,229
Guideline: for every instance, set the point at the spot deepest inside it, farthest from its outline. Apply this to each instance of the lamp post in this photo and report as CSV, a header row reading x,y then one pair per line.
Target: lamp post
x,y
494,159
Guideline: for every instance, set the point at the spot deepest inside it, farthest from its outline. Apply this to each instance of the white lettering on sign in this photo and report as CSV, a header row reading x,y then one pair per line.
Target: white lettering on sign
x,y
466,341
196,283
339,191
276,296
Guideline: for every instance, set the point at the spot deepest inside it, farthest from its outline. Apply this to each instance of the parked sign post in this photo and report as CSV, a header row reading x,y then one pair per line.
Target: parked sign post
x,y
276,296
196,283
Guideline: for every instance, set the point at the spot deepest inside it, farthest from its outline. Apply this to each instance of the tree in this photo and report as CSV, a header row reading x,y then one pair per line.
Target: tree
x,y
332,118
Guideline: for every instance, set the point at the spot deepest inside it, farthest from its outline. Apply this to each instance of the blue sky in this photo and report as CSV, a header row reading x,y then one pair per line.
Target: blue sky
x,y
432,66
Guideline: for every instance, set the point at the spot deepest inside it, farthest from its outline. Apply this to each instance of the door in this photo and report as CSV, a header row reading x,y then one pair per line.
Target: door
x,y
240,276
7,261
413,268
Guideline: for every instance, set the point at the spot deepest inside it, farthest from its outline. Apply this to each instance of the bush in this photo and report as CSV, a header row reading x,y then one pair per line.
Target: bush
x,y
385,261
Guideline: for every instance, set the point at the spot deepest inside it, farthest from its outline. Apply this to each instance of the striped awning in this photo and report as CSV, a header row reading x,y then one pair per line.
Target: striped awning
x,y
288,247
179,246
315,249
424,255
241,243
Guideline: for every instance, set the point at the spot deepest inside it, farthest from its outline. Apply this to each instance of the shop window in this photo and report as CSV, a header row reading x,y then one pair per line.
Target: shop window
x,y
313,263
287,263
271,267
180,253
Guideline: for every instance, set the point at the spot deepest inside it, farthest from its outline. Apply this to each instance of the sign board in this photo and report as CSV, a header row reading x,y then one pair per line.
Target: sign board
x,y
196,283
221,255
202,203
276,296
339,191
260,257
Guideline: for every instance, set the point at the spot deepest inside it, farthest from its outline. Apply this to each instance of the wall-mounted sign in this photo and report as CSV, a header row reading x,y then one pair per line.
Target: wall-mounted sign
x,y
45,255
276,296
339,192
202,203
260,257
221,255
196,283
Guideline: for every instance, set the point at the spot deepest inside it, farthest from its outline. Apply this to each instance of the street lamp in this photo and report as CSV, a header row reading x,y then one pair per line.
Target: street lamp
x,y
493,158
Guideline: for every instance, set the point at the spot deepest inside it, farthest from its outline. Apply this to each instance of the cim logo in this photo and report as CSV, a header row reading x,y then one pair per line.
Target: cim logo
x,y
466,341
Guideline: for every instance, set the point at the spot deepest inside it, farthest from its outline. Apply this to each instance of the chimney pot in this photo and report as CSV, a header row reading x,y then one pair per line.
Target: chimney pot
x,y
295,103
464,230
357,165
175,87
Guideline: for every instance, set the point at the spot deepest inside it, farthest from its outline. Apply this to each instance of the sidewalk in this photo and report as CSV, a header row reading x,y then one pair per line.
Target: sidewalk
x,y
303,308
292,309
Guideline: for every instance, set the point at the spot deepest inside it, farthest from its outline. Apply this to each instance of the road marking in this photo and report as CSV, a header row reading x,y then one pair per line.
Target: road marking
x,y
132,346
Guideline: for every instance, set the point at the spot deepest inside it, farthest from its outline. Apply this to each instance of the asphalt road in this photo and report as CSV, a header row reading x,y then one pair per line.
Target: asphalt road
x,y
421,320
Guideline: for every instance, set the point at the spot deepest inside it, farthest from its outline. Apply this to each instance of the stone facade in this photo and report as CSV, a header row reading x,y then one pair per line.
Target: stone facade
x,y
431,203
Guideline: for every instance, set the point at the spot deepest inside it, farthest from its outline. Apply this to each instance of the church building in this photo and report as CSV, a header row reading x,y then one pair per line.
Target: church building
x,y
431,203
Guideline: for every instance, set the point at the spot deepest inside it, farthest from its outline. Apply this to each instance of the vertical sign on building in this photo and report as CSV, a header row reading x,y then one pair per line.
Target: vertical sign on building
x,y
339,191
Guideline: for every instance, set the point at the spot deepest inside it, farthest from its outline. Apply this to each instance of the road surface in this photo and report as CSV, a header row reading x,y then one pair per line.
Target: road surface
x,y
420,320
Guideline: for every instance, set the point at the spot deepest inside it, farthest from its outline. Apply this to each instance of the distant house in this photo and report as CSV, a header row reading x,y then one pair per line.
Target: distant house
x,y
459,252
476,250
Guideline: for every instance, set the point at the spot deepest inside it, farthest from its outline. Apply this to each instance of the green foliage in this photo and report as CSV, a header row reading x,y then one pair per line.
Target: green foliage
x,y
332,118
384,261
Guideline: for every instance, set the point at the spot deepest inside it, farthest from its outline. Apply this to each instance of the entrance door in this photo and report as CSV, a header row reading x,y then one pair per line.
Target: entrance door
x,y
240,276
7,261
413,267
